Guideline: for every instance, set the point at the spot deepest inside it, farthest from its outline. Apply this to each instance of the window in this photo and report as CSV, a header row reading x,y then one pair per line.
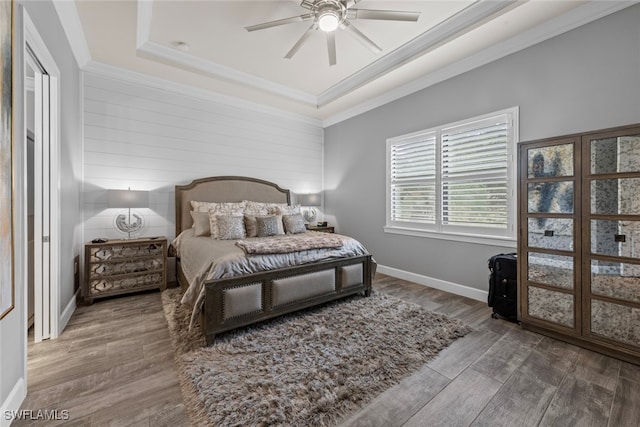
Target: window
x,y
456,179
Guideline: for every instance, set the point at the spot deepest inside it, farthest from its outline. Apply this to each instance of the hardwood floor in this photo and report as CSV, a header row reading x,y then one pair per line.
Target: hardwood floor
x,y
502,375
113,365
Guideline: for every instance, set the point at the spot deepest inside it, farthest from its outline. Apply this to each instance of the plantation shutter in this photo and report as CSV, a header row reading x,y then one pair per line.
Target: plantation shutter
x,y
474,173
413,180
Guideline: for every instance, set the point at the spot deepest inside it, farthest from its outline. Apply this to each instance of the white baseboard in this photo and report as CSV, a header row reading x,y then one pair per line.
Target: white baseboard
x,y
67,312
431,282
13,402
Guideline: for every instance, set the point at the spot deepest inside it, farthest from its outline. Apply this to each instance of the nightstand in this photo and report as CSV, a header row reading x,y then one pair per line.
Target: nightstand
x,y
324,229
118,267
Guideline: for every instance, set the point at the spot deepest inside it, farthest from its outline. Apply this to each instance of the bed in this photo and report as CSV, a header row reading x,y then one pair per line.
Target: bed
x,y
238,288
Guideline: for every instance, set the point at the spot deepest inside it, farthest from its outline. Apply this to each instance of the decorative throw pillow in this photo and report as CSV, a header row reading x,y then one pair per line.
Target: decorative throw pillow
x,y
294,224
267,225
256,208
288,210
207,206
250,225
279,224
230,227
213,220
199,206
255,212
262,206
201,223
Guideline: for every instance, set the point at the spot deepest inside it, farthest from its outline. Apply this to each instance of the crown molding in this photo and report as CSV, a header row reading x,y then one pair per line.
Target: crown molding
x,y
143,22
459,23
70,21
568,21
145,80
153,50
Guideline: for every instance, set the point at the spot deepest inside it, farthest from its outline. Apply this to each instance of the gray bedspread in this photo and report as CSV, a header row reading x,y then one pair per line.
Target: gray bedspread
x,y
204,259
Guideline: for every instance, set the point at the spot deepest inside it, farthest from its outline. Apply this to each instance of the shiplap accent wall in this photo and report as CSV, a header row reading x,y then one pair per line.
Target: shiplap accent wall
x,y
151,139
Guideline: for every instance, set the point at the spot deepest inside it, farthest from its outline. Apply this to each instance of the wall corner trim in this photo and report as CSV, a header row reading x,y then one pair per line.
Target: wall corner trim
x,y
12,403
432,282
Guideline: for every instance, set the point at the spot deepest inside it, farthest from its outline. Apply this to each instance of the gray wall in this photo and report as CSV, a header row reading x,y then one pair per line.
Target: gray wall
x,y
586,79
13,327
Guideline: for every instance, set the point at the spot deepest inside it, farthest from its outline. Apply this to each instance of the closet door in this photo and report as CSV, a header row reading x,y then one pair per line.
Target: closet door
x,y
611,218
549,234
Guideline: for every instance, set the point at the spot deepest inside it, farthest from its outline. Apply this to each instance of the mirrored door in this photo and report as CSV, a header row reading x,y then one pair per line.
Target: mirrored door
x,y
612,216
549,237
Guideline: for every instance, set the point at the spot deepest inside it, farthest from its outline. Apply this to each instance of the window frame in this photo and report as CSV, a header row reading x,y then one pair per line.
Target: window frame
x,y
483,235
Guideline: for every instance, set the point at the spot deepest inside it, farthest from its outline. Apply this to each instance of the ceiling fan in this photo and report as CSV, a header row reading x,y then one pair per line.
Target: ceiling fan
x,y
329,15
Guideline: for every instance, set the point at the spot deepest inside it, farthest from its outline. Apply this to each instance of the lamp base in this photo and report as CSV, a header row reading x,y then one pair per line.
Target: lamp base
x,y
124,225
309,215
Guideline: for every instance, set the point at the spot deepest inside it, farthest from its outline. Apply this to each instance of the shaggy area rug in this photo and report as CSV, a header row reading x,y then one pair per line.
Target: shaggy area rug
x,y
313,367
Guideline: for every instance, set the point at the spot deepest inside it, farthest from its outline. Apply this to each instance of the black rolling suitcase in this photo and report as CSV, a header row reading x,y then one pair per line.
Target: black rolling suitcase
x,y
503,289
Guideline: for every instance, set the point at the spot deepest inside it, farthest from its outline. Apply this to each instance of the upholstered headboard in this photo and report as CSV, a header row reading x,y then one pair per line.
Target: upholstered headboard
x,y
224,189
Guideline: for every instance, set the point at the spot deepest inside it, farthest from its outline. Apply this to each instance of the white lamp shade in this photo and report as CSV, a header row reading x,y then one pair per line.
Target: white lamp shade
x,y
311,199
128,199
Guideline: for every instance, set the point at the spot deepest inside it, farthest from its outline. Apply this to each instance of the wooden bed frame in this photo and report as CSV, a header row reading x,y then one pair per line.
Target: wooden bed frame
x,y
239,301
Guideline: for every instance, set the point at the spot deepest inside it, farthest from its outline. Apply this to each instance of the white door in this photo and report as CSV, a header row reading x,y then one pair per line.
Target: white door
x,y
41,232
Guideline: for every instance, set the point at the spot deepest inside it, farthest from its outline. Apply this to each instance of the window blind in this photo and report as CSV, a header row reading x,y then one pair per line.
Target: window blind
x,y
413,179
475,173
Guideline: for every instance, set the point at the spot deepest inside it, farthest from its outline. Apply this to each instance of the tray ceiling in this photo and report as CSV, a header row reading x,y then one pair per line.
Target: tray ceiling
x,y
450,37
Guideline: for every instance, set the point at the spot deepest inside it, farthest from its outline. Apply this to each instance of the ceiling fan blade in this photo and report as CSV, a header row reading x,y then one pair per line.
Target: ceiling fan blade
x,y
300,42
331,46
387,15
351,29
349,3
307,4
279,22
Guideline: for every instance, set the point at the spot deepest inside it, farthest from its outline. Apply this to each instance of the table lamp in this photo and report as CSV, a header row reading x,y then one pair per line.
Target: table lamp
x,y
128,199
308,201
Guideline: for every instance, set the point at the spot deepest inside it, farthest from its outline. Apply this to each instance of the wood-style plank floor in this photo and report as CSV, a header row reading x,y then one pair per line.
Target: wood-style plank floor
x,y
113,365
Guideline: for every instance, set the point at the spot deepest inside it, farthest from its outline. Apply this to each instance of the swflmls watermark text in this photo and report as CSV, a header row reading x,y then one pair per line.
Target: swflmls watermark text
x,y
37,415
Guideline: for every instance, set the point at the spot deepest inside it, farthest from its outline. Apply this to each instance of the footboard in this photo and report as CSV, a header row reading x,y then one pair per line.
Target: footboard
x,y
240,301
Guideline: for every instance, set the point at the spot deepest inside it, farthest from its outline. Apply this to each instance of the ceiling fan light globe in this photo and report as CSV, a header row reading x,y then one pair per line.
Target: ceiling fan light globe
x,y
328,21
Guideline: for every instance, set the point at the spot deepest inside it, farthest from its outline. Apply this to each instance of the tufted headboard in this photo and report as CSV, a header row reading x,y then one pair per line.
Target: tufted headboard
x,y
224,189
